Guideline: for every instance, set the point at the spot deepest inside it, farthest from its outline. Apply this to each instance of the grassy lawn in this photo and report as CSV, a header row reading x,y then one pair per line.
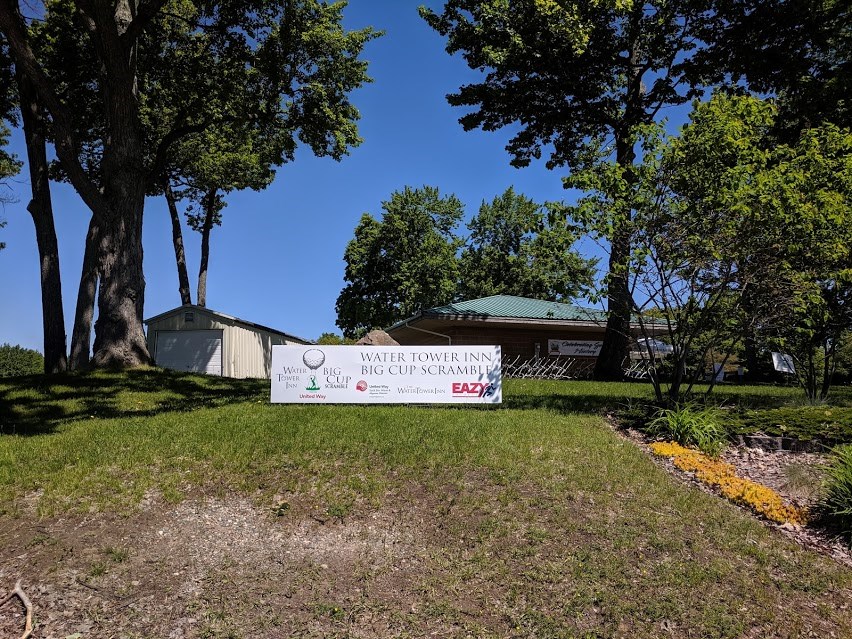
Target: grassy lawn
x,y
531,520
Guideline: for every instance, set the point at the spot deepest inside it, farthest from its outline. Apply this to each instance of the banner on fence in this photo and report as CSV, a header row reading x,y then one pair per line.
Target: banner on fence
x,y
386,374
574,348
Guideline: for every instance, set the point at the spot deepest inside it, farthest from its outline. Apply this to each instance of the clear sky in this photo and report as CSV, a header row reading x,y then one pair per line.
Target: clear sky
x,y
277,259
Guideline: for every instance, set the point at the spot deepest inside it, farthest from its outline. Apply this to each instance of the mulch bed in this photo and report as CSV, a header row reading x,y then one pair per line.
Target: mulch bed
x,y
793,474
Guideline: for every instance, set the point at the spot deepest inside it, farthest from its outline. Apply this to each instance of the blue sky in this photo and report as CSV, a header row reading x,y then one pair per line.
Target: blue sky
x,y
278,257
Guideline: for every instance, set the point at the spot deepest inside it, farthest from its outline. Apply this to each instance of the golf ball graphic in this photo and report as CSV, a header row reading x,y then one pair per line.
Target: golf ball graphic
x,y
313,358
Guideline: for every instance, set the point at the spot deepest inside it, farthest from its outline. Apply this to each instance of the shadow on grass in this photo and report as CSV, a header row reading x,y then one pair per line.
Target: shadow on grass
x,y
598,397
573,403
35,405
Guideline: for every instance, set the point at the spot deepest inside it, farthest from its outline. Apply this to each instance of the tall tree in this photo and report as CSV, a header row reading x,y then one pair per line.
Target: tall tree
x,y
117,200
41,210
312,63
116,146
402,263
579,79
519,247
18,97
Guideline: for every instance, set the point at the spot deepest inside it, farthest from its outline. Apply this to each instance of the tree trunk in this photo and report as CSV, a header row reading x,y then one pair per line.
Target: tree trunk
x,y
82,334
209,205
177,241
119,336
41,210
616,341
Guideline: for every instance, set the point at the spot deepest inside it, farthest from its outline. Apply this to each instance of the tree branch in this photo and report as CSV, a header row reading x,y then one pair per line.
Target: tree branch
x,y
12,26
144,14
173,136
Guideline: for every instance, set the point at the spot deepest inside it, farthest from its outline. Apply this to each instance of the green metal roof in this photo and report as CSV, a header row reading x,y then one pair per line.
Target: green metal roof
x,y
518,307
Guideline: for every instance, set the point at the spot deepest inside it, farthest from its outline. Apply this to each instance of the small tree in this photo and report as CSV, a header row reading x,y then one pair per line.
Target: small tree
x,y
402,263
736,235
808,192
333,339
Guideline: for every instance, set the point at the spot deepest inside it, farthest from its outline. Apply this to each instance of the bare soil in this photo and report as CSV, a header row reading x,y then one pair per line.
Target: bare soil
x,y
430,562
203,568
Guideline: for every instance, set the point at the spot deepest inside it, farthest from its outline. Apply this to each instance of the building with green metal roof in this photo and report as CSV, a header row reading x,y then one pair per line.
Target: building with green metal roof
x,y
523,327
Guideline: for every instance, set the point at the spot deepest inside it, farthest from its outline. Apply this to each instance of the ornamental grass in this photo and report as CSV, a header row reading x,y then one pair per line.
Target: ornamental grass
x,y
764,501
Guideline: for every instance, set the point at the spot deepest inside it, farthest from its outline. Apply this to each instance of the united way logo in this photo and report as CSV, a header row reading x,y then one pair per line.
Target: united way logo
x,y
361,386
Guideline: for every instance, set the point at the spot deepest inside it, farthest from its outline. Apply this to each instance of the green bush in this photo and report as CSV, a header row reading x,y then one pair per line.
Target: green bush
x,y
830,424
837,502
17,360
689,425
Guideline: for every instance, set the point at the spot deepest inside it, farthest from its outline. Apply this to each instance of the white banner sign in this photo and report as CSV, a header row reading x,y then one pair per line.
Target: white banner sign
x,y
783,363
386,374
576,348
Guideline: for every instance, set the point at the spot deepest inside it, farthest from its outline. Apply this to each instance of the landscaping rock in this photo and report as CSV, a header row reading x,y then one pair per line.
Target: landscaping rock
x,y
377,338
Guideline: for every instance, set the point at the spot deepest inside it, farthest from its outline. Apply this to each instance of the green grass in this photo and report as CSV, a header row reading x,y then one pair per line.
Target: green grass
x,y
828,424
538,520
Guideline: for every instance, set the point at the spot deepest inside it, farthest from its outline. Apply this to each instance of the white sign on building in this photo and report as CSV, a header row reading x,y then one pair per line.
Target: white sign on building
x,y
386,374
575,348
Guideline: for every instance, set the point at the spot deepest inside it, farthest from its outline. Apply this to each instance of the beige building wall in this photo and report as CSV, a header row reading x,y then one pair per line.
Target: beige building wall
x,y
246,352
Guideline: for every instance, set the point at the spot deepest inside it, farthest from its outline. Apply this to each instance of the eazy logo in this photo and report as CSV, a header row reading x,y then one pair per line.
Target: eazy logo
x,y
473,389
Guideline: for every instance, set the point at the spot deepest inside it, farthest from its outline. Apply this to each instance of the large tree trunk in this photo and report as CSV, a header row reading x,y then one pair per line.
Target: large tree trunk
x,y
119,336
616,343
41,210
81,337
209,212
177,240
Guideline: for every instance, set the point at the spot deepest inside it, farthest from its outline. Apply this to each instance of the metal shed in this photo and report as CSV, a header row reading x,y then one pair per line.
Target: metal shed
x,y
200,340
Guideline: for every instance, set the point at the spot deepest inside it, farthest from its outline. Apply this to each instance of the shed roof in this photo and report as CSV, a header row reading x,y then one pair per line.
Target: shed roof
x,y
231,318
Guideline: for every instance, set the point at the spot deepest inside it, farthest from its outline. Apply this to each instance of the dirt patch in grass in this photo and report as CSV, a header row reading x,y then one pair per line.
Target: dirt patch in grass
x,y
204,568
451,557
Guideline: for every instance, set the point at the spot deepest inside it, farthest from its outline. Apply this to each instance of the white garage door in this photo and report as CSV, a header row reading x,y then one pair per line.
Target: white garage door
x,y
193,351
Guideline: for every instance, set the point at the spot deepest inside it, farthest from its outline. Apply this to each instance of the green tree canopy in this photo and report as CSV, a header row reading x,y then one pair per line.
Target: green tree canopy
x,y
402,263
798,50
519,247
17,360
333,339
575,80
